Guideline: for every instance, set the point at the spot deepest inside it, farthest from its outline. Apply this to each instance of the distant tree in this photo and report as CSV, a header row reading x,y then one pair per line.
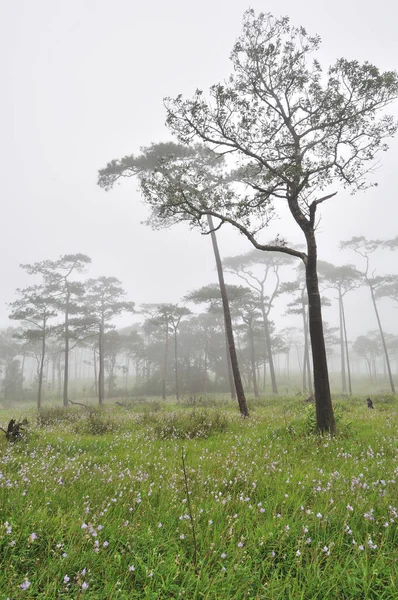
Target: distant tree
x,y
35,308
248,306
388,290
66,295
177,314
115,344
10,367
365,248
242,266
103,302
215,300
299,306
368,347
343,279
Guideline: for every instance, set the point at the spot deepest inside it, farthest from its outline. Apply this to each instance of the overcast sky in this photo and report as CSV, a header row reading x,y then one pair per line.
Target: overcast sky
x,y
83,82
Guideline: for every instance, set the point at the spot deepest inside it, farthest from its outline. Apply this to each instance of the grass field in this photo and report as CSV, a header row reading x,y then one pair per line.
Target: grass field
x,y
98,504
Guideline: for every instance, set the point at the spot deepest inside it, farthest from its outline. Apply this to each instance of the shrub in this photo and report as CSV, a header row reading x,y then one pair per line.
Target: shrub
x,y
197,424
53,415
96,422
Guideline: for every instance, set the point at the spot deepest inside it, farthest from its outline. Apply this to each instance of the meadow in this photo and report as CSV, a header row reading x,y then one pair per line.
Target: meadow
x,y
152,500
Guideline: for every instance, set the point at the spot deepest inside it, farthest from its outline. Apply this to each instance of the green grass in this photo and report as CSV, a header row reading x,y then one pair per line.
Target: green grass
x,y
278,512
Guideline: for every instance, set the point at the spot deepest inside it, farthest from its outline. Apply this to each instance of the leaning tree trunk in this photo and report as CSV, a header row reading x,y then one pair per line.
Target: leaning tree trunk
x,y
323,402
229,368
382,339
228,325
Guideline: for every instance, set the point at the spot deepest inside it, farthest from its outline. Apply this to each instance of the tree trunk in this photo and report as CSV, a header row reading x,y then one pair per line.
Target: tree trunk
x,y
253,363
101,373
66,359
166,351
41,368
228,325
343,377
230,374
382,339
346,349
95,372
176,364
269,348
323,402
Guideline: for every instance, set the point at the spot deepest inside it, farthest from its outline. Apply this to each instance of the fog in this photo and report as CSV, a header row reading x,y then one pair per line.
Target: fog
x,y
84,83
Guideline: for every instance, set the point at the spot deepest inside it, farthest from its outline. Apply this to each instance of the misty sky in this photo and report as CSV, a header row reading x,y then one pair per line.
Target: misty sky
x,y
83,82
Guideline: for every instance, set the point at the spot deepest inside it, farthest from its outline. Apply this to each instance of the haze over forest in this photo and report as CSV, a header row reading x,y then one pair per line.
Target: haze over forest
x,y
84,85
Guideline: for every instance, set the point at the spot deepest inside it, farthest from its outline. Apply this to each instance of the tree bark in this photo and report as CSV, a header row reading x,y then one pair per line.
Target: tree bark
x,y
228,325
323,402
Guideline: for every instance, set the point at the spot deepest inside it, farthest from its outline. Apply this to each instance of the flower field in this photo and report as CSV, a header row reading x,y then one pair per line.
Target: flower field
x,y
152,501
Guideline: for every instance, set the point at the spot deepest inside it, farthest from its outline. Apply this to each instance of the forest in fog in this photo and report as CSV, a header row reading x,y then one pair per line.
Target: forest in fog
x,y
64,343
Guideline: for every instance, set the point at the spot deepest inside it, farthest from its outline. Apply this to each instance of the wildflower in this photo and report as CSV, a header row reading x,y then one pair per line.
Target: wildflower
x,y
182,537
210,522
223,555
84,526
25,585
105,544
298,553
361,547
160,525
64,555
240,545
84,585
84,572
131,568
66,579
319,515
32,537
349,508
308,541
